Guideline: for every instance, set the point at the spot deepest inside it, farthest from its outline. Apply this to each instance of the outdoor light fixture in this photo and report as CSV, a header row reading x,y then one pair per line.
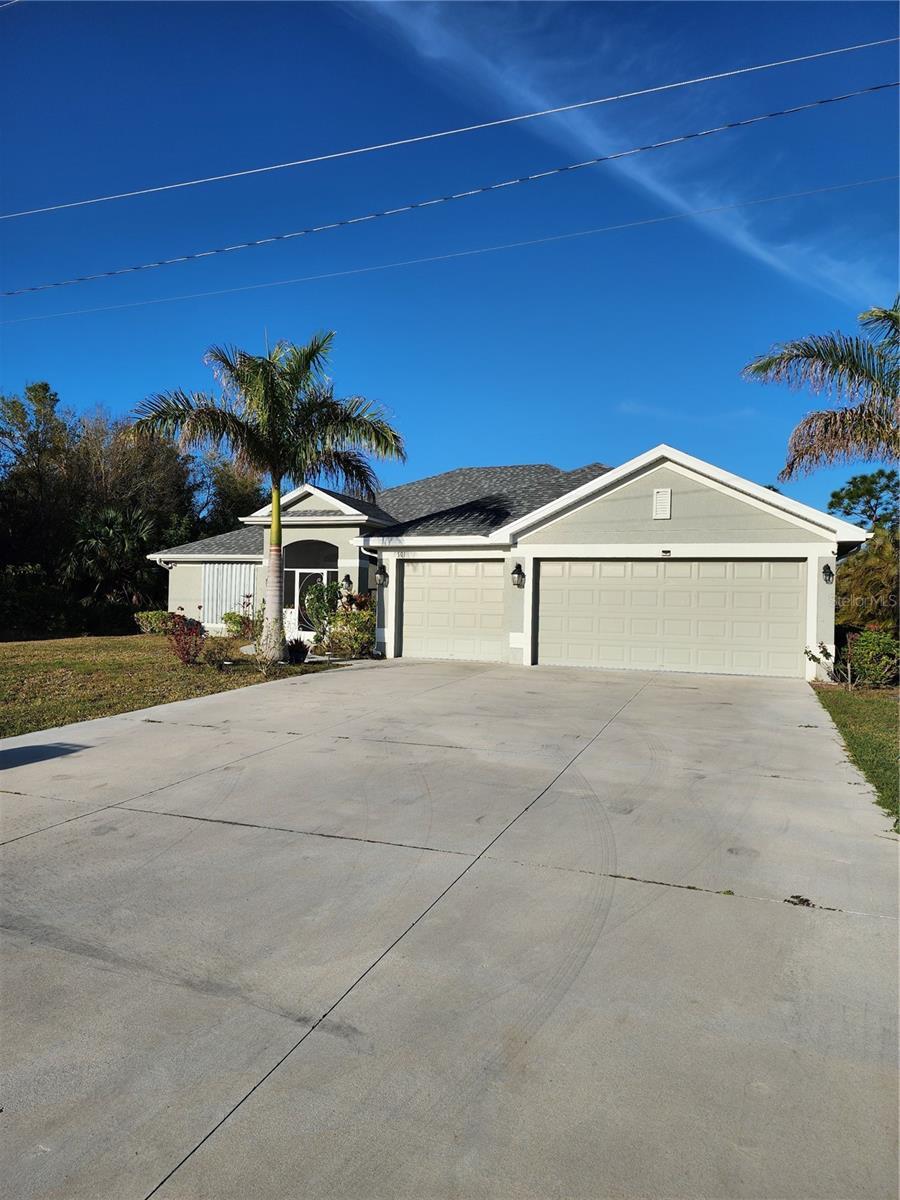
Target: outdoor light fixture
x,y
381,576
827,573
518,576
347,583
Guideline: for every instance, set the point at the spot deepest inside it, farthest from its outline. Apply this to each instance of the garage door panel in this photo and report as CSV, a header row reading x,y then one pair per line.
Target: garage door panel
x,y
719,616
454,609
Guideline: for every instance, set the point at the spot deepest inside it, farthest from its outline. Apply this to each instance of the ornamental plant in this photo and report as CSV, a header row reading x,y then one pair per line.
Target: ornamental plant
x,y
187,637
875,656
157,621
351,633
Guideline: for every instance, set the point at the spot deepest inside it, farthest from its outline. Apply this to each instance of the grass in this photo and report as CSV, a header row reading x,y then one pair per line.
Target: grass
x,y
49,683
867,721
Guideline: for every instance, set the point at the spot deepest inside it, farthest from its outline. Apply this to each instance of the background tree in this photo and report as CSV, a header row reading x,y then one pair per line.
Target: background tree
x,y
108,558
278,415
860,375
867,588
80,507
868,500
228,491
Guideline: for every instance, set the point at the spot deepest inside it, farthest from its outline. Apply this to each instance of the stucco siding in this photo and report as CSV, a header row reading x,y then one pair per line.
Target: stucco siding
x,y
315,504
699,513
186,587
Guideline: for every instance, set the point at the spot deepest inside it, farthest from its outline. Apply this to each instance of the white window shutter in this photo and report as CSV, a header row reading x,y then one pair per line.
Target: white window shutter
x,y
662,504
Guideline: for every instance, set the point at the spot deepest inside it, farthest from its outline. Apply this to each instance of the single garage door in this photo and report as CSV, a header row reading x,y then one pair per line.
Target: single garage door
x,y
454,610
740,618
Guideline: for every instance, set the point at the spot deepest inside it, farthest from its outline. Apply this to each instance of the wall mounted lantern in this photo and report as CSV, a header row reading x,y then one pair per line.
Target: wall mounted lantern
x,y
381,576
827,573
518,576
347,584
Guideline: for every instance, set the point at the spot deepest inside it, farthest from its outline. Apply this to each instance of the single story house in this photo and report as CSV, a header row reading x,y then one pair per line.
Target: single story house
x,y
663,563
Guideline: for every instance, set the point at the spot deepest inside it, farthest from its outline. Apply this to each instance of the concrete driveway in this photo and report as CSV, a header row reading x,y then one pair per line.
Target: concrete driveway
x,y
443,930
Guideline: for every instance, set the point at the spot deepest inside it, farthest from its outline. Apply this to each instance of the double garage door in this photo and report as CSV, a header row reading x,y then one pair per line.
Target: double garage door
x,y
743,617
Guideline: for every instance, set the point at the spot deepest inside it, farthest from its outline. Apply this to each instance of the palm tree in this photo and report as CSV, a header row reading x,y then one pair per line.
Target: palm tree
x,y
278,415
108,557
859,374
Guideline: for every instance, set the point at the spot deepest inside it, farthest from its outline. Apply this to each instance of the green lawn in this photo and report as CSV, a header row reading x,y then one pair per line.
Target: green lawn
x,y
44,684
867,721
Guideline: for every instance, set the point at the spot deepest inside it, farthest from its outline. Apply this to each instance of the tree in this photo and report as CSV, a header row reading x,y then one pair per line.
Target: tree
x,y
870,499
866,589
860,375
36,441
230,492
108,559
278,415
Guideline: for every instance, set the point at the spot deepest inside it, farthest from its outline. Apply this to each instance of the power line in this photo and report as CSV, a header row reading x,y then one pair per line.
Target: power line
x,y
478,191
435,258
443,133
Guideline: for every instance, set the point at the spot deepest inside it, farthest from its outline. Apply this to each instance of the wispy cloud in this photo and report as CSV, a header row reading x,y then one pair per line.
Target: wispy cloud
x,y
678,415
525,58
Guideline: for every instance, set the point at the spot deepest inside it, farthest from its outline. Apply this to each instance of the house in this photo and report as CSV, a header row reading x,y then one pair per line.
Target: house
x,y
663,563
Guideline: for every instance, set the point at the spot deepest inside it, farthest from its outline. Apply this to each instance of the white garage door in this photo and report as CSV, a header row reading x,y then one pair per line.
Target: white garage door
x,y
744,618
454,610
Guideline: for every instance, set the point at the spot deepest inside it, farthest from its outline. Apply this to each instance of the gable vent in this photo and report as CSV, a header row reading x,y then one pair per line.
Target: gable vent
x,y
662,504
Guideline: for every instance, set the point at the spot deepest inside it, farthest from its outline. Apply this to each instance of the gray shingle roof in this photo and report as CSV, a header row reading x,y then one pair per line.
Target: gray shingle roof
x,y
469,500
249,540
477,500
366,507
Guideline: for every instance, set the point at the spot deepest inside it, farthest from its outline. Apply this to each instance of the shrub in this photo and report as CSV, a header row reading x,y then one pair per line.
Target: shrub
x,y
297,650
351,633
242,624
187,637
874,656
234,624
321,601
155,620
217,651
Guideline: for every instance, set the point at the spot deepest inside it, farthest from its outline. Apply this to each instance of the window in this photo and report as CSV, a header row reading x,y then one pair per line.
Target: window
x,y
662,504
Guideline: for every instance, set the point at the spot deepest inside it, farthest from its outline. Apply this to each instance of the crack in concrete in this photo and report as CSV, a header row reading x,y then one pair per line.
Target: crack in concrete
x,y
343,737
690,887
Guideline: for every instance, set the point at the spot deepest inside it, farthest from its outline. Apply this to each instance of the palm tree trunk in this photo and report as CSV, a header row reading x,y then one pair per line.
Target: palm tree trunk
x,y
273,626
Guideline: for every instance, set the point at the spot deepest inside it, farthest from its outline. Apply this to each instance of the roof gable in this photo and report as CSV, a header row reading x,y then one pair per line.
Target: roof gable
x,y
792,511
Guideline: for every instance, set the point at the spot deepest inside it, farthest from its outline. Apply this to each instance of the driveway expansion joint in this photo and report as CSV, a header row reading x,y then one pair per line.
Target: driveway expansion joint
x,y
339,837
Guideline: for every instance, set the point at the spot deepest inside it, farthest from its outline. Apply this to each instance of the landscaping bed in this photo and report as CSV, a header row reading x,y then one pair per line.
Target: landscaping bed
x,y
48,683
867,721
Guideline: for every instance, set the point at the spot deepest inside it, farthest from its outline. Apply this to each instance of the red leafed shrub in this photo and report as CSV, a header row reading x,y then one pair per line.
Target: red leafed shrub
x,y
187,637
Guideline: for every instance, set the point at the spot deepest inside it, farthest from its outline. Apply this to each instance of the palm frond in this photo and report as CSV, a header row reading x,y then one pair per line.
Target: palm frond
x,y
197,420
352,421
867,432
883,325
347,470
843,368
302,365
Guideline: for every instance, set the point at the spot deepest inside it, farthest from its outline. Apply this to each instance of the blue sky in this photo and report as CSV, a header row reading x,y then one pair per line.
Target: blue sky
x,y
593,348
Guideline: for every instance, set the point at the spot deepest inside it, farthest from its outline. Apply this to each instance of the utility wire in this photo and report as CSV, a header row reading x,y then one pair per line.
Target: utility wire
x,y
478,191
443,133
435,258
